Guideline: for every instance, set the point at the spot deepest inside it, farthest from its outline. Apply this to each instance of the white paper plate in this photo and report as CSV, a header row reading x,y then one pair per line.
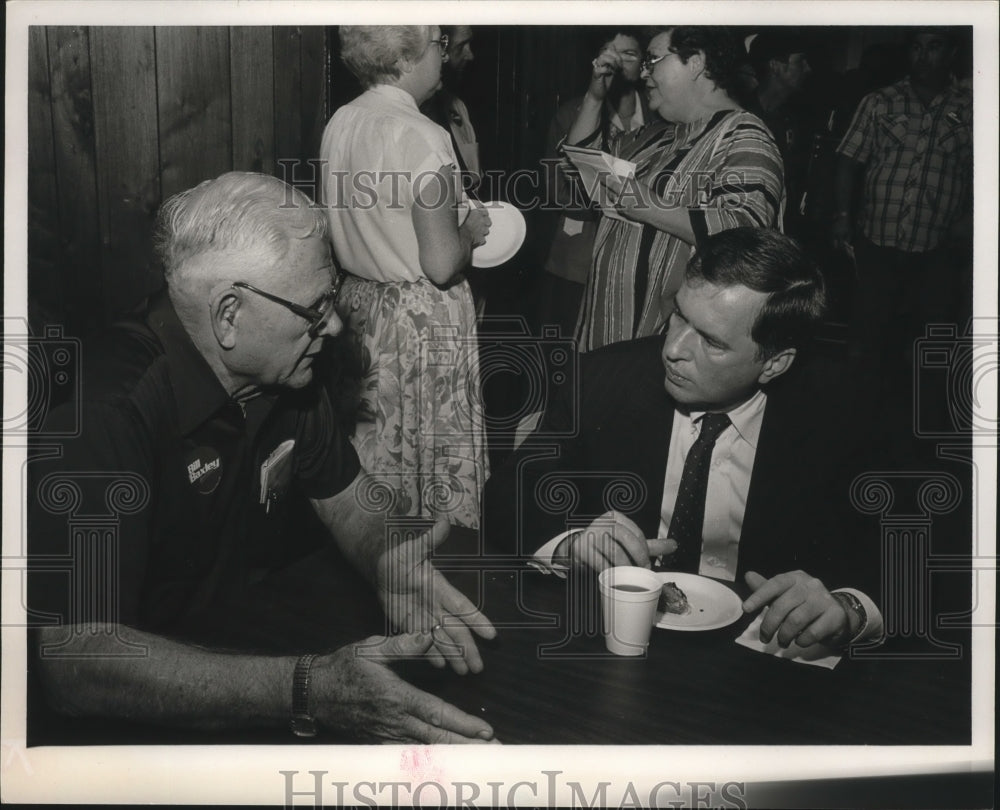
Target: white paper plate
x,y
507,232
713,605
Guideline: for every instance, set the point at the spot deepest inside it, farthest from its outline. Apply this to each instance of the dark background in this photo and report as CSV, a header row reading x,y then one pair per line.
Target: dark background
x,y
120,118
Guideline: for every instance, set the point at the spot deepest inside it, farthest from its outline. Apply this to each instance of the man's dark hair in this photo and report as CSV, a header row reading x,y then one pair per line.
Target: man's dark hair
x,y
947,32
723,51
777,44
769,262
602,35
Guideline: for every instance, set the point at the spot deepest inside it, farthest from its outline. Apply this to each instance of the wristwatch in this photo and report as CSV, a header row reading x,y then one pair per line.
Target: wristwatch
x,y
850,603
303,723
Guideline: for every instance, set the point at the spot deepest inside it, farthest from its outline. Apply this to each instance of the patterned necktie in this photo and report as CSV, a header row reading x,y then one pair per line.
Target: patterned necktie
x,y
689,510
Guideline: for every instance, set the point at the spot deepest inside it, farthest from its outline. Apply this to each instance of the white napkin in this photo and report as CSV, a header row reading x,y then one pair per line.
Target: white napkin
x,y
817,654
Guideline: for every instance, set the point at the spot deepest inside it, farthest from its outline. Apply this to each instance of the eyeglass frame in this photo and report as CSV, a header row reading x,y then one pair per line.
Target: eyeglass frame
x,y
649,62
442,42
316,317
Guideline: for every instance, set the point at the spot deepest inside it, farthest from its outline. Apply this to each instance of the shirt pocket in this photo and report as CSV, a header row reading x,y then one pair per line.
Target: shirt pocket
x,y
891,132
955,140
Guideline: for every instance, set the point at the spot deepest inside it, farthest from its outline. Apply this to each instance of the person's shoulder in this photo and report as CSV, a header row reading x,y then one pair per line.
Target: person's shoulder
x,y
123,363
817,384
625,377
888,94
961,95
121,382
637,359
745,120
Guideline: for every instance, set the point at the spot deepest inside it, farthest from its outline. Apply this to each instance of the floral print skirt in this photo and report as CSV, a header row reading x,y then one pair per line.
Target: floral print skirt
x,y
421,431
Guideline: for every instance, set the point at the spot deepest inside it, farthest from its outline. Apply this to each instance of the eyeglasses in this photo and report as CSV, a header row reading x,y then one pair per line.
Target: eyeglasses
x,y
649,60
317,314
442,43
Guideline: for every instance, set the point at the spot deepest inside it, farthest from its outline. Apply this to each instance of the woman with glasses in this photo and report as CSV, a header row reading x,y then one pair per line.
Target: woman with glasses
x,y
707,167
561,285
403,231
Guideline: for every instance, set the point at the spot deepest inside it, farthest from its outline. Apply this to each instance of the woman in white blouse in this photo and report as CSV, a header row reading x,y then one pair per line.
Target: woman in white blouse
x,y
404,231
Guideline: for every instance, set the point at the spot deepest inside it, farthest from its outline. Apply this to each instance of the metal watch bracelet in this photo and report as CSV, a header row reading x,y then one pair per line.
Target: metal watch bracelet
x,y
303,723
850,603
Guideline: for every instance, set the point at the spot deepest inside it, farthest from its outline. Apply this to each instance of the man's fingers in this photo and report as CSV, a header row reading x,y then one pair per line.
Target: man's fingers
x,y
660,546
777,612
395,648
455,642
796,620
453,601
828,625
764,590
440,717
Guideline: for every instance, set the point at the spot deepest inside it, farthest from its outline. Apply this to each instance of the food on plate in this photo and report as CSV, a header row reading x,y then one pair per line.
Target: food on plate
x,y
673,600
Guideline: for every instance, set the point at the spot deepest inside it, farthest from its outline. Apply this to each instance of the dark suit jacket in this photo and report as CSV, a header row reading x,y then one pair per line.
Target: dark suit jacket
x,y
609,450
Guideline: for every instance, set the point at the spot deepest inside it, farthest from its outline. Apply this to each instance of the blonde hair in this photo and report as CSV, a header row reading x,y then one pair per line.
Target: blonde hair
x,y
373,52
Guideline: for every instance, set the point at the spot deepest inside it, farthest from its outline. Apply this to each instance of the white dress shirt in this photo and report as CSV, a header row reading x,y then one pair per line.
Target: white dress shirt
x,y
725,499
728,482
636,121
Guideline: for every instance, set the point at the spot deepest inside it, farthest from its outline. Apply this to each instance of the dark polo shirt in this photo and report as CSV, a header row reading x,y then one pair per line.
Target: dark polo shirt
x,y
153,511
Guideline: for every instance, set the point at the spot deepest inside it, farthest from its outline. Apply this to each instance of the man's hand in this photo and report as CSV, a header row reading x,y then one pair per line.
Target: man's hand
x,y
354,690
417,598
799,609
606,65
611,540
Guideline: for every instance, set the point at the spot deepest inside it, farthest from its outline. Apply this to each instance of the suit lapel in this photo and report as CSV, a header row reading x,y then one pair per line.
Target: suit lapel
x,y
783,435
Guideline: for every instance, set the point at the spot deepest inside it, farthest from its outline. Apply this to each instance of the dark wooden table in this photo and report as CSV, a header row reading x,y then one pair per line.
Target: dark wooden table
x,y
548,678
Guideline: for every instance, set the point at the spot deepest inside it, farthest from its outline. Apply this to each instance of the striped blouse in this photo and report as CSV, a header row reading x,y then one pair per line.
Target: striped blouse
x,y
725,169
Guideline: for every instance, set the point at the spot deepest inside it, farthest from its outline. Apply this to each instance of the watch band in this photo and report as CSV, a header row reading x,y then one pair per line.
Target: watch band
x,y
303,723
849,602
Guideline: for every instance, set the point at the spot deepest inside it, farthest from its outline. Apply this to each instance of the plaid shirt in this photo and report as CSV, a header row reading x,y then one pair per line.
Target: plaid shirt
x,y
918,164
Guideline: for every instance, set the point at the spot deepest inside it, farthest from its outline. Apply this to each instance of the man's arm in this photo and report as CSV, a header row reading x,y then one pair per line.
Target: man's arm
x,y
415,596
853,152
177,684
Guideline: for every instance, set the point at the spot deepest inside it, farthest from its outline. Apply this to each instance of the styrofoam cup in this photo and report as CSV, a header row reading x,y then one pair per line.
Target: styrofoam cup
x,y
628,607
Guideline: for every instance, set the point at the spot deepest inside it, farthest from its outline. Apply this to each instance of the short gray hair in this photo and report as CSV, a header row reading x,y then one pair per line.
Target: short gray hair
x,y
238,211
373,52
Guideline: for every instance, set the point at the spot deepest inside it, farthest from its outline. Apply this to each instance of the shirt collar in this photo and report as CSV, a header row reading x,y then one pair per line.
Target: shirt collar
x,y
941,98
747,418
638,118
395,95
198,393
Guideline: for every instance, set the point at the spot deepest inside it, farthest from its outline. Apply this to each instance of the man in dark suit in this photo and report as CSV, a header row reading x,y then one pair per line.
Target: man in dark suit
x,y
613,468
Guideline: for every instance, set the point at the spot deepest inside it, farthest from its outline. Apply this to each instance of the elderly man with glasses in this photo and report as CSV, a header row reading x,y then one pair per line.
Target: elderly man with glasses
x,y
201,426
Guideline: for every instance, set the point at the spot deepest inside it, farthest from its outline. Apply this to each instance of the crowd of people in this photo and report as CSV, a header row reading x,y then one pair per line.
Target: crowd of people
x,y
692,312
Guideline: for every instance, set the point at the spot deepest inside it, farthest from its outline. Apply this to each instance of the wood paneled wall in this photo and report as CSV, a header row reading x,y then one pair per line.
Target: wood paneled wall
x,y
121,118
